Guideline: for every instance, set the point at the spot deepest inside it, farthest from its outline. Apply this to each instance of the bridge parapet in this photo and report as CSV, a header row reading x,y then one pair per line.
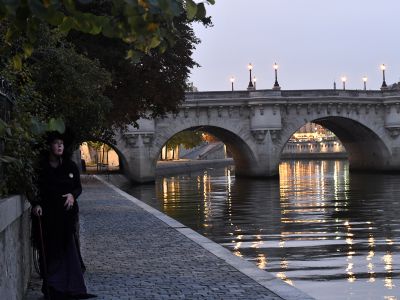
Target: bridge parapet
x,y
271,95
336,93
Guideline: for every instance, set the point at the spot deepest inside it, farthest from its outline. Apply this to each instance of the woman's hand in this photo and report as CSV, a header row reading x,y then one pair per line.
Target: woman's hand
x,y
70,201
37,210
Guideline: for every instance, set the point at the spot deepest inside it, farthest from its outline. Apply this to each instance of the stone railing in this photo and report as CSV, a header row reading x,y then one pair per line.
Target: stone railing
x,y
235,96
15,248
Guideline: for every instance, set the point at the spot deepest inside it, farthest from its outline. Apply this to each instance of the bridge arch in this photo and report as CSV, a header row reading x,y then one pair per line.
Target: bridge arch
x,y
365,148
123,162
243,155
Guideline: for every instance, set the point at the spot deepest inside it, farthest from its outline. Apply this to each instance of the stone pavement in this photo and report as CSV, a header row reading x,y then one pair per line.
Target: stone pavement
x,y
132,251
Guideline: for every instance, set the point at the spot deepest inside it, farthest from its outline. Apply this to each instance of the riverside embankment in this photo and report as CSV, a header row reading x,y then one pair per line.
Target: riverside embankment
x,y
133,251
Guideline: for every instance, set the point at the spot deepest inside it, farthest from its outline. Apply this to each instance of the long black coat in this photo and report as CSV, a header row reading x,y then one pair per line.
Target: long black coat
x,y
58,223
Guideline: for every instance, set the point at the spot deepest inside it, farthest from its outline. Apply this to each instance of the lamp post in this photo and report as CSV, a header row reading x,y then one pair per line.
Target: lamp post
x,y
344,82
254,81
232,81
251,86
276,84
384,85
365,78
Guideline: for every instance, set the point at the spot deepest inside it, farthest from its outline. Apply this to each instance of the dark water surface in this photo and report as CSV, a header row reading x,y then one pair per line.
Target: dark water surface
x,y
332,234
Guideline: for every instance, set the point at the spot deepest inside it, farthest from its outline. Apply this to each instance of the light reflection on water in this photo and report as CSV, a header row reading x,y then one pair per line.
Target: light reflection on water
x,y
331,234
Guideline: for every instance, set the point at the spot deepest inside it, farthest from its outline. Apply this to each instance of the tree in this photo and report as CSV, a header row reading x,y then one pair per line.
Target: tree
x,y
72,86
142,24
156,83
153,83
56,87
61,83
143,65
209,138
188,139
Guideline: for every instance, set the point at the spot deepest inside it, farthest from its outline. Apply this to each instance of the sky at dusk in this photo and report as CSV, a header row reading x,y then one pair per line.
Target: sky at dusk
x,y
314,42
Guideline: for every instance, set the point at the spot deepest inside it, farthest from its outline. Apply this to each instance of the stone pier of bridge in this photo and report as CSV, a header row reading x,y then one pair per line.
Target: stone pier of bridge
x,y
256,125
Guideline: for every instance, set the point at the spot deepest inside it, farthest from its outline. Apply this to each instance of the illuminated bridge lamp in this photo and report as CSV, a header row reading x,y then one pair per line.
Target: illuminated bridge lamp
x,y
254,81
344,79
365,79
250,67
384,85
276,84
232,80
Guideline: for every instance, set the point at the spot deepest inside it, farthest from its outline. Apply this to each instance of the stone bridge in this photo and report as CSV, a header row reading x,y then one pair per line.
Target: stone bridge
x,y
256,125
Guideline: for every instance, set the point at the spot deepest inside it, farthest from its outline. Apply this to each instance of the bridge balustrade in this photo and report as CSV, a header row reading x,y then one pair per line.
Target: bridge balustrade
x,y
240,95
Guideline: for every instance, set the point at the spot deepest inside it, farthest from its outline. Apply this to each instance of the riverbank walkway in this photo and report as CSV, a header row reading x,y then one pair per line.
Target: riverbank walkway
x,y
133,251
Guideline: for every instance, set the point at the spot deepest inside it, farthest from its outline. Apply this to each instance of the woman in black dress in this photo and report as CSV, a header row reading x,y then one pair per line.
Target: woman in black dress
x,y
59,187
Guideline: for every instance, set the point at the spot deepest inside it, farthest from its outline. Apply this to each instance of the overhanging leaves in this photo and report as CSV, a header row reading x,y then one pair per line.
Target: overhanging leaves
x,y
137,23
56,125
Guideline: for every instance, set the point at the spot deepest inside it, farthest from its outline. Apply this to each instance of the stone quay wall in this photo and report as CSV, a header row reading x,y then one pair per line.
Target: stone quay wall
x,y
15,247
187,166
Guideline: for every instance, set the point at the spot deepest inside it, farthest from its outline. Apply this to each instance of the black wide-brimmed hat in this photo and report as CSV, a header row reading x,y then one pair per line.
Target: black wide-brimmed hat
x,y
67,137
51,136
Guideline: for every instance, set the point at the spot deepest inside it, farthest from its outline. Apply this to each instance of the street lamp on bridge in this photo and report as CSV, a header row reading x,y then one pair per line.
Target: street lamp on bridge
x,y
251,86
384,85
254,81
276,84
232,79
365,78
344,82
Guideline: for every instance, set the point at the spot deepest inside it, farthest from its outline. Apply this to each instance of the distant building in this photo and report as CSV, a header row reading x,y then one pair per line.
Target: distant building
x,y
191,88
312,132
313,141
394,86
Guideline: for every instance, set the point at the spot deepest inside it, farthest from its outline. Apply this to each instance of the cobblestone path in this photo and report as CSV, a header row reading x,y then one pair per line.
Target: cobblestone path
x,y
131,254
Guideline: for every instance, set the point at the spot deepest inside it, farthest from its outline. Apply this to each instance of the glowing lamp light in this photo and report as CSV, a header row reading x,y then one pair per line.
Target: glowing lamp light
x,y
232,79
365,79
344,79
250,86
276,84
384,85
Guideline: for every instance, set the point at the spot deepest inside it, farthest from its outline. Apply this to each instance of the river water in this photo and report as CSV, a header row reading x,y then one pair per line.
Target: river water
x,y
329,233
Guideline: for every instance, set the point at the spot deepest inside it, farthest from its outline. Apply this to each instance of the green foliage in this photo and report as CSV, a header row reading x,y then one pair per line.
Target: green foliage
x,y
142,24
188,139
95,145
59,82
22,138
67,60
56,88
156,83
